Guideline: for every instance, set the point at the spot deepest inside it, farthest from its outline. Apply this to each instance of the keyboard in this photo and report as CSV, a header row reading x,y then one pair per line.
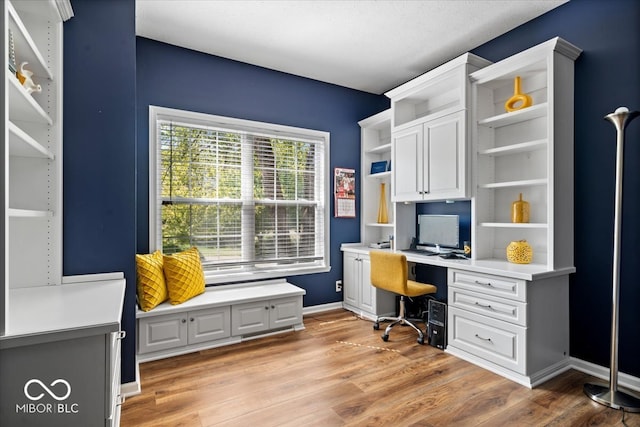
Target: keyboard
x,y
421,252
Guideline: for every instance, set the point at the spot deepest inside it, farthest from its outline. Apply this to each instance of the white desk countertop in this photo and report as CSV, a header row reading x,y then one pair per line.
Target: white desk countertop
x,y
75,309
487,266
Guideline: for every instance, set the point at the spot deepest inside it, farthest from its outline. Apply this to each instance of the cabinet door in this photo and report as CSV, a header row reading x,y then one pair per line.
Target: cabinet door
x,y
209,324
351,279
444,157
406,165
285,312
162,332
249,318
367,291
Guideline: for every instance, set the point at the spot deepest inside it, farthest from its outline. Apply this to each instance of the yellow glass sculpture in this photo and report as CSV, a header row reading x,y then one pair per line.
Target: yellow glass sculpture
x,y
519,252
383,215
519,100
520,210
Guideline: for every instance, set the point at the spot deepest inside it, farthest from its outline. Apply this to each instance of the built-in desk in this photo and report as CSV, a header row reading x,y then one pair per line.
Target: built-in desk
x,y
509,318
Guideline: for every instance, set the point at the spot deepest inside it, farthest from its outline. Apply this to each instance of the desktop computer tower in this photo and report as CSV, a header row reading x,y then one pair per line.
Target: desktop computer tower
x,y
437,324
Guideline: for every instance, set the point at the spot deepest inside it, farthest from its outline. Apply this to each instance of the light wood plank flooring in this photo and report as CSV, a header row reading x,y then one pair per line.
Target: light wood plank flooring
x,y
338,372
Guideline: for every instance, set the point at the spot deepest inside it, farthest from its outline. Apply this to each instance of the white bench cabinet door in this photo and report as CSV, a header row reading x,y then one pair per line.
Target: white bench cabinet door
x,y
285,312
210,324
250,318
162,332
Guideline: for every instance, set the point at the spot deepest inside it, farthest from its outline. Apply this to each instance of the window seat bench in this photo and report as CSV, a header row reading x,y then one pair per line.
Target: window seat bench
x,y
222,315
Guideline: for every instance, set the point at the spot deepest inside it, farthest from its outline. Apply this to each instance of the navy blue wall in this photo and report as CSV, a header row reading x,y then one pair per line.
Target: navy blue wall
x,y
99,149
606,76
100,164
170,76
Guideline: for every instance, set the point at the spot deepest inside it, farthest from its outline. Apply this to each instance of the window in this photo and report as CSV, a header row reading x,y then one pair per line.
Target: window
x,y
250,196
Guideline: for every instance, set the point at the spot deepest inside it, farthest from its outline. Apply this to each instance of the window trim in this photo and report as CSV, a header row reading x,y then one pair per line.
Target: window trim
x,y
155,233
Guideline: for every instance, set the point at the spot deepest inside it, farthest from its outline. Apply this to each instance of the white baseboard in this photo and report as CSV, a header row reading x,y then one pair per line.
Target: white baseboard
x,y
624,380
133,388
322,307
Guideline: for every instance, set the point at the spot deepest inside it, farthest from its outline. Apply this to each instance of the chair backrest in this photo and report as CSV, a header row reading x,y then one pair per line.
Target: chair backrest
x,y
389,271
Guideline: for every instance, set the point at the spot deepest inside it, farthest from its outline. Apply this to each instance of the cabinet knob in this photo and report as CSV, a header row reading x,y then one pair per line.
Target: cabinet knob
x,y
184,320
273,306
191,319
266,308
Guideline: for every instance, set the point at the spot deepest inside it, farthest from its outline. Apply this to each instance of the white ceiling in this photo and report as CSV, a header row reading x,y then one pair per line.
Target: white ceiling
x,y
367,45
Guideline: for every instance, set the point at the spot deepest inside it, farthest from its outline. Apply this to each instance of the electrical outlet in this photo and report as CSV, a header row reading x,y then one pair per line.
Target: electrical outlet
x,y
338,285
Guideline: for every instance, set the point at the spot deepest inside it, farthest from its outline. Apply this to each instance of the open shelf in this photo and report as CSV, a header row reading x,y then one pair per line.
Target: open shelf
x,y
25,47
522,147
23,106
23,145
29,213
514,225
384,148
380,175
506,119
522,183
377,224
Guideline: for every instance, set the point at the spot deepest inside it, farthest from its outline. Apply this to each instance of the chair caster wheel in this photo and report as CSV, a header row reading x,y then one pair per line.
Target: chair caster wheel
x,y
385,337
421,340
376,326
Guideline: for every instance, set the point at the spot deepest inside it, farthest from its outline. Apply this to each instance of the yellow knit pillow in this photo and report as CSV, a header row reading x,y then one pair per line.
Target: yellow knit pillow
x,y
185,278
152,289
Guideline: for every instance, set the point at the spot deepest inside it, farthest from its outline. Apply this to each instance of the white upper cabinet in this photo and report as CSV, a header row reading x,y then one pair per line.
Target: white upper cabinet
x,y
429,133
528,151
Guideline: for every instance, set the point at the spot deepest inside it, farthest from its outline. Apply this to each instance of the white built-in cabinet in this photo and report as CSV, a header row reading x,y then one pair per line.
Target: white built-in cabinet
x,y
431,159
429,133
222,315
360,296
31,183
528,151
52,329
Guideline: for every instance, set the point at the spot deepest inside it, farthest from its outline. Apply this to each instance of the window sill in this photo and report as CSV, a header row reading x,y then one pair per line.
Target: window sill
x,y
243,276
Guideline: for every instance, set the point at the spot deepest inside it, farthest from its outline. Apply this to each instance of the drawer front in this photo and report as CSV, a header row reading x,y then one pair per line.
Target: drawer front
x,y
162,332
489,284
498,342
494,307
210,324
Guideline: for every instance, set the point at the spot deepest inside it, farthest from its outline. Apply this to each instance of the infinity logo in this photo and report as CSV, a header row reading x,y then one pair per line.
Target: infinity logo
x,y
47,389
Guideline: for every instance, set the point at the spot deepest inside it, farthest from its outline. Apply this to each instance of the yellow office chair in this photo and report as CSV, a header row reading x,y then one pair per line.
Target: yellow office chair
x,y
389,271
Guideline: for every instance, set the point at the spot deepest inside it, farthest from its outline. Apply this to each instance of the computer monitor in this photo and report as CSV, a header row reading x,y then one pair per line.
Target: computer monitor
x,y
441,231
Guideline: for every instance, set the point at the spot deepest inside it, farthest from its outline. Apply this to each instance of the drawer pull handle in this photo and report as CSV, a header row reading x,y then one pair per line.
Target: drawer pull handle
x,y
488,306
484,339
121,335
484,284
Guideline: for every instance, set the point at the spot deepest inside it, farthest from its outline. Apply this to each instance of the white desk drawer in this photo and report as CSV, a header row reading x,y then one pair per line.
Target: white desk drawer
x,y
499,342
497,308
489,284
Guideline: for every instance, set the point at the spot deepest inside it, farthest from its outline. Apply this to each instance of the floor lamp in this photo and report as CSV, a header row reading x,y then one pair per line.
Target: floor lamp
x,y
611,396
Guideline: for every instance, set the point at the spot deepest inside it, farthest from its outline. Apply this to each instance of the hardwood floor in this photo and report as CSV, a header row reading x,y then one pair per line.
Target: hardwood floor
x,y
338,372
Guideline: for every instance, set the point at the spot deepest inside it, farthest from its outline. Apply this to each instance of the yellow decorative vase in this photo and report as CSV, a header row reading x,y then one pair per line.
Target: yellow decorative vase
x,y
520,210
519,100
383,215
519,252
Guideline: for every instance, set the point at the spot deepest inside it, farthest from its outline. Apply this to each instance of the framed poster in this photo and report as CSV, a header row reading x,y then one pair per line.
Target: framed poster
x,y
344,193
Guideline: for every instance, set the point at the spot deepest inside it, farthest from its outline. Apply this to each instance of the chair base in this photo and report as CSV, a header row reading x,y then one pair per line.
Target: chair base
x,y
400,320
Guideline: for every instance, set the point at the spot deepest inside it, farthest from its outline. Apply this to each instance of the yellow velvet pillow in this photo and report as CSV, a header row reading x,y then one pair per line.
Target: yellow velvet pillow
x,y
152,289
184,275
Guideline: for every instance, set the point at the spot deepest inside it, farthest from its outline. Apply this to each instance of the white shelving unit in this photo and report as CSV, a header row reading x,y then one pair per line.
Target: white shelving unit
x,y
32,156
430,137
528,151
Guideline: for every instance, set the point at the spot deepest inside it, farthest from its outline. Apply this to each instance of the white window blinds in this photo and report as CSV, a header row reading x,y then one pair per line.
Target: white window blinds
x,y
250,196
